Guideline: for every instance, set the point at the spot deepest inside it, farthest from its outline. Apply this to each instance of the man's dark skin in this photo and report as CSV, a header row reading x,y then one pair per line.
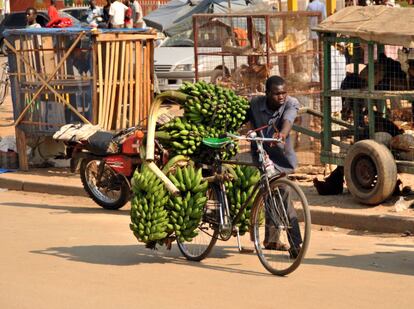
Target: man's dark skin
x,y
276,97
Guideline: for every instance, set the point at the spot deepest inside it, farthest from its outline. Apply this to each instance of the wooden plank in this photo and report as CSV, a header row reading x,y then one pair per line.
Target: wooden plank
x,y
105,93
113,106
131,86
46,82
18,60
151,72
48,55
138,86
110,55
115,37
125,90
94,69
100,78
120,89
147,65
21,149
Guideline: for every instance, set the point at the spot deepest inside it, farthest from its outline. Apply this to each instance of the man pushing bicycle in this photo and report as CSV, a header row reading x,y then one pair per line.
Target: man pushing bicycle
x,y
273,116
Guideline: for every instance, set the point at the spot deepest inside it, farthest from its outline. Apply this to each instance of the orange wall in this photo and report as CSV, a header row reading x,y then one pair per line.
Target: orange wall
x,y
21,5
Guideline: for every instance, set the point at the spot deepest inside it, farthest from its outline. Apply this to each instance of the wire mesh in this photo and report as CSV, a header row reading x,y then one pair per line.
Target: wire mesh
x,y
241,51
37,57
372,91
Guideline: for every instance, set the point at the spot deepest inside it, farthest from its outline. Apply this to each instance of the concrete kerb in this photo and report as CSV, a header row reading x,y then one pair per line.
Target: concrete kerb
x,y
381,223
41,187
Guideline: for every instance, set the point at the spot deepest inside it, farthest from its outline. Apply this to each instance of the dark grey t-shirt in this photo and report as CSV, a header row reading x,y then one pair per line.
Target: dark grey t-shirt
x,y
260,115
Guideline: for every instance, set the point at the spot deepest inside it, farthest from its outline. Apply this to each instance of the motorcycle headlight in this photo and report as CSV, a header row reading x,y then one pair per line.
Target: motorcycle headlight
x,y
184,68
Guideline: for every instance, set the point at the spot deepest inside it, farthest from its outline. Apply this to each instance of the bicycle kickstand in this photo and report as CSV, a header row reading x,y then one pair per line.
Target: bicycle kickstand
x,y
239,246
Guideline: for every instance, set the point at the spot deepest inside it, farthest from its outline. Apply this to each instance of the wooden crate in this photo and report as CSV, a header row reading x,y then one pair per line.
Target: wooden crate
x,y
61,76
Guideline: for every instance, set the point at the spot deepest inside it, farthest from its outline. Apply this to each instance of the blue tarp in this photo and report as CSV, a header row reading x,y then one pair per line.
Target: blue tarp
x,y
176,16
69,31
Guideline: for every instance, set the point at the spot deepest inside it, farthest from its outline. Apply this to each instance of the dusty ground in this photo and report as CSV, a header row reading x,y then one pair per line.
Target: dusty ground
x,y
65,252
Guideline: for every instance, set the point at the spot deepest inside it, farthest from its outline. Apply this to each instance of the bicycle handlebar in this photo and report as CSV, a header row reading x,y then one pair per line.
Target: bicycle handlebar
x,y
253,137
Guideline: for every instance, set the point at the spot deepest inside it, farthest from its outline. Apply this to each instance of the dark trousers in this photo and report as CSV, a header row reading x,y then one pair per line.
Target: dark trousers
x,y
272,234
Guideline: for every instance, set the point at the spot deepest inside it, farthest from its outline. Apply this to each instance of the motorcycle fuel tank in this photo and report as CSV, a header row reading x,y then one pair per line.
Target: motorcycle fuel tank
x,y
120,164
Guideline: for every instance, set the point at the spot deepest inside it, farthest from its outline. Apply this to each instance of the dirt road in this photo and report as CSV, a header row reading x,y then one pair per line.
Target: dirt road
x,y
65,252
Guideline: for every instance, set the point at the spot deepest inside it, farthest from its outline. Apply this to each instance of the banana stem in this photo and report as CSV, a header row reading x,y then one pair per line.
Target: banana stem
x,y
152,122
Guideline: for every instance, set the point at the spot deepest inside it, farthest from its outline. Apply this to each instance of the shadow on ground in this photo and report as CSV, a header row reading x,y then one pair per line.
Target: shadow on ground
x,y
128,255
395,262
69,209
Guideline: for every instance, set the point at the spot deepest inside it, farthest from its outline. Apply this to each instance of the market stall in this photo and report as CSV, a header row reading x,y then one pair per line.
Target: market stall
x,y
373,124
61,76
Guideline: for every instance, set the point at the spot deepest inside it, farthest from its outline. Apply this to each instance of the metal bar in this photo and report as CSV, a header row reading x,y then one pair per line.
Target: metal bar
x,y
366,94
320,115
371,85
195,39
327,123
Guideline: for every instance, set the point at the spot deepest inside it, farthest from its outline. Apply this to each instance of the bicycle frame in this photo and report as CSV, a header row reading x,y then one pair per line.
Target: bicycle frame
x,y
264,182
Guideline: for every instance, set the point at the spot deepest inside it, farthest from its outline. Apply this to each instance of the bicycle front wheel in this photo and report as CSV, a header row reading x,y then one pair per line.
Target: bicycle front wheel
x,y
281,226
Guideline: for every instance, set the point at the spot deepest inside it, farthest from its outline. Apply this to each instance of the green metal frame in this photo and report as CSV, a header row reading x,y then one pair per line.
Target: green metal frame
x,y
371,95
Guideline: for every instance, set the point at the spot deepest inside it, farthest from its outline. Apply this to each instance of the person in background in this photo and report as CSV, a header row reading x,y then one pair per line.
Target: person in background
x,y
117,14
138,15
52,11
31,15
94,14
316,6
129,21
105,13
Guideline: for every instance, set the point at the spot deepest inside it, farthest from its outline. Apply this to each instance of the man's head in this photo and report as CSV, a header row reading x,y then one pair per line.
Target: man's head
x,y
275,91
92,3
31,15
53,2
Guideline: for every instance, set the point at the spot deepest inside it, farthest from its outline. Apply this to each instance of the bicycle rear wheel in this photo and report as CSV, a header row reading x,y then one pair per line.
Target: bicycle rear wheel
x,y
201,245
281,233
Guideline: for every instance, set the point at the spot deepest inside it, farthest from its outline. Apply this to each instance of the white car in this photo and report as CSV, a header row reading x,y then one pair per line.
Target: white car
x,y
174,63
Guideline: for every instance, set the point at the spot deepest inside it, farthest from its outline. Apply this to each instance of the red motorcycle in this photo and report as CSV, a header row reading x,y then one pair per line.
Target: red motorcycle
x,y
106,161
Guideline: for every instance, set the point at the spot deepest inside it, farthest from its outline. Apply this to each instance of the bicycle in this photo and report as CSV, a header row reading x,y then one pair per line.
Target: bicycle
x,y
4,82
271,216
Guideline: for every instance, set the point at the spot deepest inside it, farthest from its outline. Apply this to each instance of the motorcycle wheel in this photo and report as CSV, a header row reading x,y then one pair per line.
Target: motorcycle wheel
x,y
113,191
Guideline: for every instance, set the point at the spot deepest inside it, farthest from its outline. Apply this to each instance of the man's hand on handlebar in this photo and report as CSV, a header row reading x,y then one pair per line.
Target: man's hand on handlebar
x,y
280,136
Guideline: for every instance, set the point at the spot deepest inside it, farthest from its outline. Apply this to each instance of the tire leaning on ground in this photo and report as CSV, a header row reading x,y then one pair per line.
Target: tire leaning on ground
x,y
370,172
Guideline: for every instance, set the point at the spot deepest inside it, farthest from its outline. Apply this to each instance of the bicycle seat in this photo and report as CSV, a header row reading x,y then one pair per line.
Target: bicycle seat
x,y
216,143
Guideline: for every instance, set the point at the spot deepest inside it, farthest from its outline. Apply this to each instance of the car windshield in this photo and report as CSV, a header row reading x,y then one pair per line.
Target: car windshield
x,y
180,40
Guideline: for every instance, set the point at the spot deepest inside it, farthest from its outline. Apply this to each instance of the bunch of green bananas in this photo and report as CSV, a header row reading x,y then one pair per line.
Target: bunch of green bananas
x,y
186,210
210,111
185,138
214,106
149,217
238,190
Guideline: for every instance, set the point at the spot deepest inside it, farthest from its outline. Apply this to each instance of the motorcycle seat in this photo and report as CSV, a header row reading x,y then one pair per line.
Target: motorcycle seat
x,y
102,143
